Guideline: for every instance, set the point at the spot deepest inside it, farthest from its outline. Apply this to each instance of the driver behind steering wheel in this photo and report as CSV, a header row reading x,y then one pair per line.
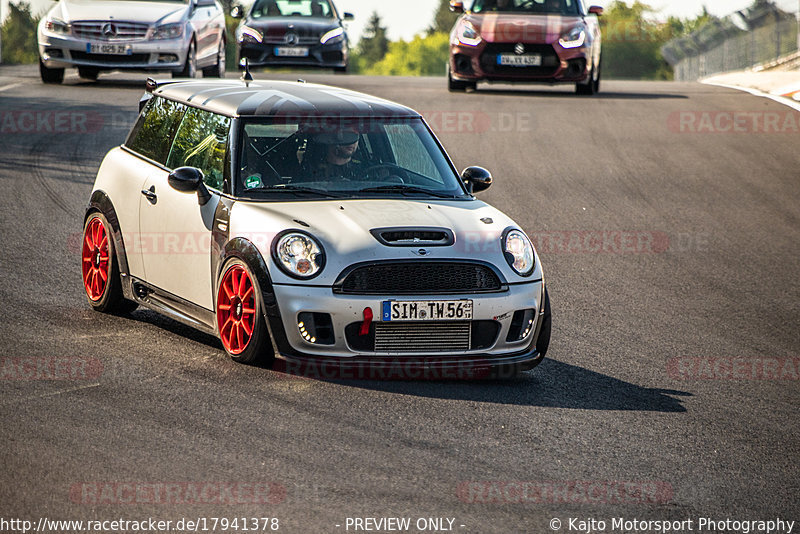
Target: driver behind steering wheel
x,y
330,154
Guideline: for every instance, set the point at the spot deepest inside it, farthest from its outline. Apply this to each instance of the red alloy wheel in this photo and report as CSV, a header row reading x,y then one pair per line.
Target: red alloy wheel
x,y
236,309
96,263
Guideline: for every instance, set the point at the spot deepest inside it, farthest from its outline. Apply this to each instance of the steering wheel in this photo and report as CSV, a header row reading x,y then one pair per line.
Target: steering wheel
x,y
396,178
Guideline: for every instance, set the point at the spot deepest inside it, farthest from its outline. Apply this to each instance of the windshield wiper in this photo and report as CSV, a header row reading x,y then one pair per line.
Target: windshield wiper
x,y
298,190
399,188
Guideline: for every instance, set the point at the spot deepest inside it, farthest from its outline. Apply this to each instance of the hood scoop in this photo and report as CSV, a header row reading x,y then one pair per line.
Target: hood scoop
x,y
414,237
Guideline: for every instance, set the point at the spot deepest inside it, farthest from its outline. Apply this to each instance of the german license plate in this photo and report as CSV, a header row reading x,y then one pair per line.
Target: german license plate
x,y
530,60
109,48
427,310
293,51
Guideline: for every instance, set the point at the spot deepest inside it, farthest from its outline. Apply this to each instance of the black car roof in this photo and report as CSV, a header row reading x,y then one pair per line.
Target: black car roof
x,y
234,98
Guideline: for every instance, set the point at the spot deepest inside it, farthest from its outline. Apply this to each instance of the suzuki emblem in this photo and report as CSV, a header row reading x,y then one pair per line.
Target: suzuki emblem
x,y
519,49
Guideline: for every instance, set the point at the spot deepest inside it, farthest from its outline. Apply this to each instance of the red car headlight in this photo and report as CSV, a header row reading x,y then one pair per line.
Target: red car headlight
x,y
467,34
575,38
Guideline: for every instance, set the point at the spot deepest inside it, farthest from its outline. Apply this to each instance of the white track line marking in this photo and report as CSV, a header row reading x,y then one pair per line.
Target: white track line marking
x,y
53,394
756,92
9,86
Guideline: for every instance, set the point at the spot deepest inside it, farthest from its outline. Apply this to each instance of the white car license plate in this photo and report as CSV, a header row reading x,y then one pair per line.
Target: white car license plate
x,y
109,48
531,60
285,51
427,310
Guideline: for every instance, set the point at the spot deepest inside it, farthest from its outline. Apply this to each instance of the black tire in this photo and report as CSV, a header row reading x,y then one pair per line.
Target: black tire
x,y
54,76
88,73
457,86
110,299
190,67
543,343
258,348
218,70
340,70
589,88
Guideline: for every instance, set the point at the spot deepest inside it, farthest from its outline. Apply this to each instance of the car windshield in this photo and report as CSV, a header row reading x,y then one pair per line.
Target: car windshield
x,y
322,157
292,8
561,7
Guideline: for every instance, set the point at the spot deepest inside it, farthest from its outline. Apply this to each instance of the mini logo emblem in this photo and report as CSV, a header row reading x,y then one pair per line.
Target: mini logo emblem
x,y
109,30
422,252
519,49
291,38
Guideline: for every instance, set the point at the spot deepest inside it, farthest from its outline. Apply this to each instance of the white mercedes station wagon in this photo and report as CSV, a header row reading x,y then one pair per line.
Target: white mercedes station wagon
x,y
180,36
314,224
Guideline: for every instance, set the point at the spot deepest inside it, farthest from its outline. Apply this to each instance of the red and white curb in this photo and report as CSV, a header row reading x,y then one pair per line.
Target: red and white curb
x,y
788,95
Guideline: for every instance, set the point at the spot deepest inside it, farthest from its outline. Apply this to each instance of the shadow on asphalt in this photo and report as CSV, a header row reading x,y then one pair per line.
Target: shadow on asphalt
x,y
553,384
602,95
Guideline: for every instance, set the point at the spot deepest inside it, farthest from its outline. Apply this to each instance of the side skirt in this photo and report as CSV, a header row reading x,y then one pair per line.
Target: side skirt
x,y
173,306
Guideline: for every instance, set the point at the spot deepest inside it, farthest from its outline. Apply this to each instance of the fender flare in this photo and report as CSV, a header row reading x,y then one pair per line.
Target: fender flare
x,y
246,251
100,201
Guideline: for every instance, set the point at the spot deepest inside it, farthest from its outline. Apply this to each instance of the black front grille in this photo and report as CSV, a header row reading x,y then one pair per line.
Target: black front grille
x,y
419,277
130,59
550,61
422,337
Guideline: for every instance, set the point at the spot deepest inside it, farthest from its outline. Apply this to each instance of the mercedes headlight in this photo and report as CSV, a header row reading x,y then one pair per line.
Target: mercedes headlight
x,y
467,34
299,255
574,38
518,250
334,36
246,34
168,31
56,26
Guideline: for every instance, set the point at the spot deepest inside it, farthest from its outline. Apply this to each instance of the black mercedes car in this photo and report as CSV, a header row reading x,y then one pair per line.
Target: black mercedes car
x,y
296,33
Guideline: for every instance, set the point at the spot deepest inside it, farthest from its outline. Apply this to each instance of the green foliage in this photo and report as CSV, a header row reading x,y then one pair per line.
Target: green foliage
x,y
373,45
632,42
443,19
19,35
422,56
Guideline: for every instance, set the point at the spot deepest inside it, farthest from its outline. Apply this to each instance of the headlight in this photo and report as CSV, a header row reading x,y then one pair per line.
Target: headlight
x,y
468,35
518,251
169,31
336,35
298,254
574,38
246,34
56,26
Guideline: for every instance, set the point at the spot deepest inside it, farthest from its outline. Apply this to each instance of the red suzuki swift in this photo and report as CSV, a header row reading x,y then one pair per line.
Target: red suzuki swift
x,y
551,41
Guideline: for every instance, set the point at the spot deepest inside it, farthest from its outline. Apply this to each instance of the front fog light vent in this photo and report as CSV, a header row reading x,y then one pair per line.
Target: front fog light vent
x,y
167,58
521,325
316,328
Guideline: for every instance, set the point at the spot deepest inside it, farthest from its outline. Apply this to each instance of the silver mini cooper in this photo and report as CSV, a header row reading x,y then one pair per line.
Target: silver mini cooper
x,y
317,224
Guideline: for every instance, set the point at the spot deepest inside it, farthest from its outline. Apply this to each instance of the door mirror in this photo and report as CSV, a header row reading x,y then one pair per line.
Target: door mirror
x,y
596,10
237,12
349,16
189,180
456,6
477,179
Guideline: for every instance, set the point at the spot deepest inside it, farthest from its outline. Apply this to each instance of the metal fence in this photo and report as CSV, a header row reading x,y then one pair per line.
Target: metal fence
x,y
750,37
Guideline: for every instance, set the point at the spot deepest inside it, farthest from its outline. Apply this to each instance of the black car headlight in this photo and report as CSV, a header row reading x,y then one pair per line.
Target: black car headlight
x,y
334,36
246,34
518,251
298,254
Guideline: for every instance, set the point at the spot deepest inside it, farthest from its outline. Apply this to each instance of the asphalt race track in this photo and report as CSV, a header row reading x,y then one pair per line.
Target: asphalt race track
x,y
667,217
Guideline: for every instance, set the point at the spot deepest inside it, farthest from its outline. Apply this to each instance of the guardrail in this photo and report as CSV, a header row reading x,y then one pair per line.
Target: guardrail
x,y
761,34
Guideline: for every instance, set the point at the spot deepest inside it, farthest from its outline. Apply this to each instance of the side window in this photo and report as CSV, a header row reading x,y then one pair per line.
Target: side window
x,y
153,133
201,142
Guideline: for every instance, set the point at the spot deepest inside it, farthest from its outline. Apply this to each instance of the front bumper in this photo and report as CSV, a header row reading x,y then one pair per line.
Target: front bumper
x,y
319,55
340,355
559,65
65,52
